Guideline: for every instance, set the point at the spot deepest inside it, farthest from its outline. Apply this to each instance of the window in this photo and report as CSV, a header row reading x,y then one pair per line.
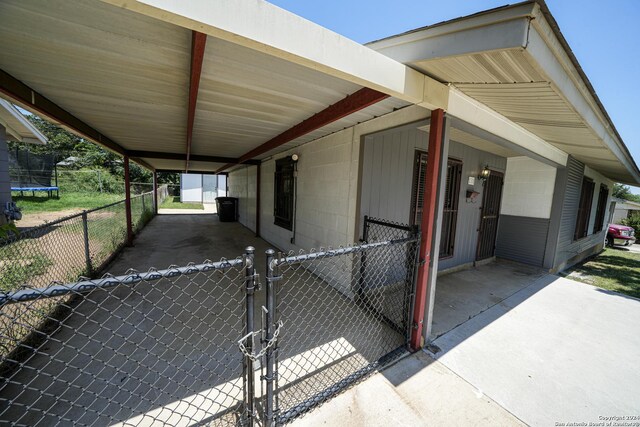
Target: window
x,y
450,211
284,193
451,197
602,207
584,209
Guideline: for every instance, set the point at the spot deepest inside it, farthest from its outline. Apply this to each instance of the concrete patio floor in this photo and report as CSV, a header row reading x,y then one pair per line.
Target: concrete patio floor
x,y
467,293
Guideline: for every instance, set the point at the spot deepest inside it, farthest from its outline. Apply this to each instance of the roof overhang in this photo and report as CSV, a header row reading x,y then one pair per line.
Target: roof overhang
x,y
121,73
515,61
17,126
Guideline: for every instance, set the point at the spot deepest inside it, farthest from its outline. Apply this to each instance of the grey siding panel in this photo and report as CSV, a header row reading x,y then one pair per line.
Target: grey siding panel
x,y
522,239
387,178
569,251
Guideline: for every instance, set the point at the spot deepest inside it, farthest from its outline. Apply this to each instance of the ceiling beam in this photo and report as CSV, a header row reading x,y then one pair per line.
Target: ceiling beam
x,y
346,106
198,43
192,171
182,156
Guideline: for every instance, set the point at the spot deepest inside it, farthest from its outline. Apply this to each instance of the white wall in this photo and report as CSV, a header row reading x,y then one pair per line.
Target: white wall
x,y
191,187
242,184
528,188
327,186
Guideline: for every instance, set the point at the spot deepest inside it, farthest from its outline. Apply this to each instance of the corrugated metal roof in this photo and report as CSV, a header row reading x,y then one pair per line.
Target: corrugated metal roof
x,y
127,75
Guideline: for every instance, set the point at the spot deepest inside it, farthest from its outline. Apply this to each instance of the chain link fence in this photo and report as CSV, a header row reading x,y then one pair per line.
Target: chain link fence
x,y
201,345
63,250
340,315
138,349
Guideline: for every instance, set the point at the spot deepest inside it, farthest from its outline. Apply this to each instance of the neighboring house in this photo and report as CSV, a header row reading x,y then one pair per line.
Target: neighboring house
x,y
202,188
625,209
13,127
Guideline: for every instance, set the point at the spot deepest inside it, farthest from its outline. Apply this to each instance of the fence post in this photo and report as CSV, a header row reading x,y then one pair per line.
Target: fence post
x,y
249,368
269,360
85,232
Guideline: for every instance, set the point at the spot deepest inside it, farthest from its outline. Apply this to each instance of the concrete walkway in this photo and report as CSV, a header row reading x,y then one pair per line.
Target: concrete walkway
x,y
558,351
416,391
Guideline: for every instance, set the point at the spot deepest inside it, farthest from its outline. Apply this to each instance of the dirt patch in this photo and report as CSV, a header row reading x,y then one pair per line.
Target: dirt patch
x,y
36,219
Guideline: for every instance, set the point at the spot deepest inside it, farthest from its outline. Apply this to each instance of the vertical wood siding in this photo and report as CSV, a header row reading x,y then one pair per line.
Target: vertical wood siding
x,y
387,178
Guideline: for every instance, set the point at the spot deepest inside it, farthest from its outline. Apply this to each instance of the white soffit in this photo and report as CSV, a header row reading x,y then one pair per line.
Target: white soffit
x,y
267,28
122,73
522,72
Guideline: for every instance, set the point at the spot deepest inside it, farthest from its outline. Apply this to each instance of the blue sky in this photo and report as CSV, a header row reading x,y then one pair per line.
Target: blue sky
x,y
604,36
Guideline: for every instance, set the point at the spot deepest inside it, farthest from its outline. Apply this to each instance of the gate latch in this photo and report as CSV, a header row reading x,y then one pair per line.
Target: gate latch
x,y
267,344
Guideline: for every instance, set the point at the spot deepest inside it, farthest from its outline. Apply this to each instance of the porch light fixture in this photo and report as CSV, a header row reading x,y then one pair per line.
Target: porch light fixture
x,y
484,174
295,157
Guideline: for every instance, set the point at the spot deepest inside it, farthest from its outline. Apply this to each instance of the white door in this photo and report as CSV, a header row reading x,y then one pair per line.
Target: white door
x,y
209,190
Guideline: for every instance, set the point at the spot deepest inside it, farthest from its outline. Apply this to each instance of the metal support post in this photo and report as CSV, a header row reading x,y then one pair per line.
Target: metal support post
x,y
155,192
269,356
127,200
87,254
249,368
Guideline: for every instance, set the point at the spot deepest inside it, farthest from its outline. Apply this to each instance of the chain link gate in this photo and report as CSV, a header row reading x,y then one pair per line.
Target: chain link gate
x,y
198,345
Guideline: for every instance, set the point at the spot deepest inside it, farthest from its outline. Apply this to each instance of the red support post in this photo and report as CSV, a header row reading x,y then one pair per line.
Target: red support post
x,y
427,224
127,200
155,192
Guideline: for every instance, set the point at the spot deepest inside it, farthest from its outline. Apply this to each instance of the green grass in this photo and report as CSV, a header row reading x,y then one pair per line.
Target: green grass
x,y
614,269
174,203
17,271
42,203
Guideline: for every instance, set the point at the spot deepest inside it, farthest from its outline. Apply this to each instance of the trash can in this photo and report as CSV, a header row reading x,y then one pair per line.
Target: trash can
x,y
227,208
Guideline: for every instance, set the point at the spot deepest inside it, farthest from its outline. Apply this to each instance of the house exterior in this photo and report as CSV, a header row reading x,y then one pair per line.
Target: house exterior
x,y
13,127
483,130
625,209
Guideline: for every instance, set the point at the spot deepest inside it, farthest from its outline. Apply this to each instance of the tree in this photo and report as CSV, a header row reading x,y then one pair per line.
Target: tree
x,y
622,191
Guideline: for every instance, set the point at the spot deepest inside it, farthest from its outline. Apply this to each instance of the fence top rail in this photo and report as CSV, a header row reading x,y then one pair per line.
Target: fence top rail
x,y
32,230
132,277
391,224
296,259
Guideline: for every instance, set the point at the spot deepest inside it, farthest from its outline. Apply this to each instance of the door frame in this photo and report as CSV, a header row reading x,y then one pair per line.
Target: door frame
x,y
484,196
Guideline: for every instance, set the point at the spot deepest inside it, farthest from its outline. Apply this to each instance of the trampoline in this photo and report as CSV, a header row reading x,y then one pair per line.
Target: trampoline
x,y
33,172
49,190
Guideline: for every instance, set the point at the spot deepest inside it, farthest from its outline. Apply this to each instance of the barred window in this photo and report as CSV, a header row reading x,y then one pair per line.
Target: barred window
x,y
451,197
450,212
284,193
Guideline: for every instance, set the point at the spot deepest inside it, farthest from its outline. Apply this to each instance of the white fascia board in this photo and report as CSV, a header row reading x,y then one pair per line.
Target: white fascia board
x,y
479,115
431,44
17,126
259,25
547,51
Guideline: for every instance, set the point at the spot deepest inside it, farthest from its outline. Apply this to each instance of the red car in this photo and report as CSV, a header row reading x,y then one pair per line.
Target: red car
x,y
620,235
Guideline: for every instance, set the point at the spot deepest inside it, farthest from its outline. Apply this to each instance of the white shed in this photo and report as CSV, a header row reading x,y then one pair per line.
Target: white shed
x,y
201,188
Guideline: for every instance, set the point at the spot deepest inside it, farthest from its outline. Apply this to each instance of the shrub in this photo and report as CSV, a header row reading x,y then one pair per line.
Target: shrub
x,y
633,222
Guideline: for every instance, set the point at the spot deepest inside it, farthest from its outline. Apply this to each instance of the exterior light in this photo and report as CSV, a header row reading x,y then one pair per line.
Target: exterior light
x,y
294,157
484,174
